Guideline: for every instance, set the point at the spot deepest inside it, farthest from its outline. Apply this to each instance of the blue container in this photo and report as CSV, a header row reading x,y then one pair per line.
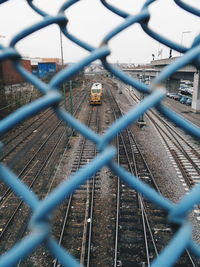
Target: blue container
x,y
46,68
35,72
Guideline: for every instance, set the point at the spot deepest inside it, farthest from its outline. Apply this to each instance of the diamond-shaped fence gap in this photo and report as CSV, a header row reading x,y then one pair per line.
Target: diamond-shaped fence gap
x,y
143,45
86,27
176,16
41,36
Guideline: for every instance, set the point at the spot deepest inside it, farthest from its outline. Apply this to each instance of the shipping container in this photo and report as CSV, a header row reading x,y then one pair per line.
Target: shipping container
x,y
46,69
8,75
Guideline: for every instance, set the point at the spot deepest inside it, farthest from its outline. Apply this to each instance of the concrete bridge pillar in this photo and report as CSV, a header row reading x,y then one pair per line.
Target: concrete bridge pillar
x,y
172,85
196,93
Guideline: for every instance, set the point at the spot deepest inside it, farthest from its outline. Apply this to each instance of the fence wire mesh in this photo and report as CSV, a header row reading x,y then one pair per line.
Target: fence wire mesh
x,y
40,224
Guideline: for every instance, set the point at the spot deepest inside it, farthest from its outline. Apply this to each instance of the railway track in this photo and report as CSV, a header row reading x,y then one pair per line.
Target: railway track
x,y
183,154
35,174
30,145
33,129
76,228
140,231
141,228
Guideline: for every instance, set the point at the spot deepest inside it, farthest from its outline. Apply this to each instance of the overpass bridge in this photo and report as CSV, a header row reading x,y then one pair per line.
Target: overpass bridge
x,y
172,84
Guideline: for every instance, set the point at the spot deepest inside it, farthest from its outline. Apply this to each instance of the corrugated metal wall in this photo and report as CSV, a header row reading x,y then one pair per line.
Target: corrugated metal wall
x,y
46,68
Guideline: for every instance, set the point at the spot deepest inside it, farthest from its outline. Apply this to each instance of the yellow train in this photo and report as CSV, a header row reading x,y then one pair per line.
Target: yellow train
x,y
96,94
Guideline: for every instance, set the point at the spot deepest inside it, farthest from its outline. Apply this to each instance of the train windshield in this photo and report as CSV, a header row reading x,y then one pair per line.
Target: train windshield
x,y
96,91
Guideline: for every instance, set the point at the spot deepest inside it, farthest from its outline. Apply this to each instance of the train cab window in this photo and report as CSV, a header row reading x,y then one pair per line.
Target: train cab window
x,y
96,91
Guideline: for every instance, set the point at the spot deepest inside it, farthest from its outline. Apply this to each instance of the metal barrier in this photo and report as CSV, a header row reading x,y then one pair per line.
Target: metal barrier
x,y
40,224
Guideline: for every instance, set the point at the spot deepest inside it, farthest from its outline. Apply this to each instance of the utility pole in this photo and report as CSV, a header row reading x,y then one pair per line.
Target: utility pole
x,y
63,86
62,64
71,97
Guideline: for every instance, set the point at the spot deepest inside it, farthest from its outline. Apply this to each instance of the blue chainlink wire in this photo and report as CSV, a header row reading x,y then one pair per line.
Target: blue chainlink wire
x,y
40,223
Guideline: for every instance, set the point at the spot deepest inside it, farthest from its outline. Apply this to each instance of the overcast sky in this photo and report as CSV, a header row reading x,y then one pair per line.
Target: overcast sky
x,y
90,21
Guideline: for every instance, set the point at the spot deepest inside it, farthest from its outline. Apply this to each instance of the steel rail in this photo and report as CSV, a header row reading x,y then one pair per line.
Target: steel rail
x,y
89,237
86,240
176,143
21,141
176,159
143,205
51,184
163,120
30,186
128,157
8,138
44,165
180,147
117,208
69,203
62,135
44,119
189,182
22,173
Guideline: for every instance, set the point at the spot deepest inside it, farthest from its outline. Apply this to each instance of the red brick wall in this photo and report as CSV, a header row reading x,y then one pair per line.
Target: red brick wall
x,y
8,75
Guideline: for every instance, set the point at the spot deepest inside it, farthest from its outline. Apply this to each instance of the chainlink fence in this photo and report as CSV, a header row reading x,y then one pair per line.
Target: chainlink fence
x,y
40,225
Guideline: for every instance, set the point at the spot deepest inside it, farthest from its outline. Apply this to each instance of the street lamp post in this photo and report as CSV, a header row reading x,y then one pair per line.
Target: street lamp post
x,y
184,32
